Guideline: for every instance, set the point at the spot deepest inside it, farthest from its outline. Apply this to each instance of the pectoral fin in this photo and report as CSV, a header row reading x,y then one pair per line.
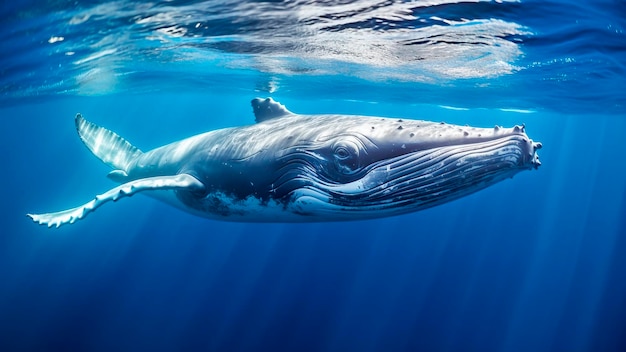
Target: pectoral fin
x,y
176,182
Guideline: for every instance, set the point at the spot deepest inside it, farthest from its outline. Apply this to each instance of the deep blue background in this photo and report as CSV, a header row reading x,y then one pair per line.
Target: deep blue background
x,y
536,263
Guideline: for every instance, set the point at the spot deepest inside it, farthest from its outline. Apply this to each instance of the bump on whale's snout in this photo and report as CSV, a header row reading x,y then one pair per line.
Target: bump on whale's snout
x,y
535,157
532,158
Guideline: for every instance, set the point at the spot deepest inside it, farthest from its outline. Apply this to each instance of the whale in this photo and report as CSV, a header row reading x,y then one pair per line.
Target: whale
x,y
288,167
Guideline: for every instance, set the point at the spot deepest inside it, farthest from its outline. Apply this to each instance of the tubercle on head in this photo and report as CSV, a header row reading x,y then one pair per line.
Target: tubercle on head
x,y
533,154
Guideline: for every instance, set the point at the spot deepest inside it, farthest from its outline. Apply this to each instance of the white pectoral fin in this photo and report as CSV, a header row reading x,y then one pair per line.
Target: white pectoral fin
x,y
176,182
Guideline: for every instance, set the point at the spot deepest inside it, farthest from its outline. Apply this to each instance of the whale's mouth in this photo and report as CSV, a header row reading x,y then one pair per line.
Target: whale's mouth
x,y
421,179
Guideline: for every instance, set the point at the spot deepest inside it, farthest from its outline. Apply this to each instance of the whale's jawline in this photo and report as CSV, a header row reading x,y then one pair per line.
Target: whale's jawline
x,y
420,180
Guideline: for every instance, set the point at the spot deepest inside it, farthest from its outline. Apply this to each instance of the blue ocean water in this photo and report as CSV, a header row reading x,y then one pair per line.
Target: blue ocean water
x,y
536,263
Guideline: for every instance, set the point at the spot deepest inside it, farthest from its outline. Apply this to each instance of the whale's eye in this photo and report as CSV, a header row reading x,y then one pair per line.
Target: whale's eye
x,y
342,153
346,155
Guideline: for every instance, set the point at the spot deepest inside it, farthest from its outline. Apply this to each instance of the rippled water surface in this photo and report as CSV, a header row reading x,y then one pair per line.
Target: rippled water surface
x,y
552,55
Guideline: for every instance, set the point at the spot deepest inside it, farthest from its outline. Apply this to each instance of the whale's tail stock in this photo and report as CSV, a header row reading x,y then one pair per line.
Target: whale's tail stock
x,y
118,153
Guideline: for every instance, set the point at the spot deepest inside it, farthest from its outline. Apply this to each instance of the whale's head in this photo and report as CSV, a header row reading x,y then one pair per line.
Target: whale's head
x,y
344,165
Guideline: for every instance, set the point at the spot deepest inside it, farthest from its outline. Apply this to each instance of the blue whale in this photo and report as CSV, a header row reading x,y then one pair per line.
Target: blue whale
x,y
300,168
